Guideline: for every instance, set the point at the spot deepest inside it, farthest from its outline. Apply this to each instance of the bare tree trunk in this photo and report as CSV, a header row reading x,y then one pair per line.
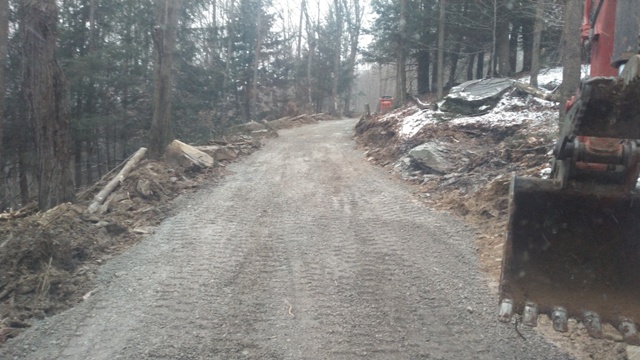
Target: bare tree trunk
x,y
494,35
513,47
480,66
454,56
22,172
299,46
504,69
227,66
424,59
46,96
87,164
434,68
401,57
312,48
335,76
77,152
164,41
470,62
253,106
214,32
299,92
440,90
354,21
537,35
571,51
527,41
4,40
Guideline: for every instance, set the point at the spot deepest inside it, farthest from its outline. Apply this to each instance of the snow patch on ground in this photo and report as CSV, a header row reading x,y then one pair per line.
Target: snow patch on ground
x,y
552,78
510,110
412,124
513,110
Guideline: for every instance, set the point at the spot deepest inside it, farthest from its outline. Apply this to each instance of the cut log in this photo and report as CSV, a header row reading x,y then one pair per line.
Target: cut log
x,y
187,156
108,189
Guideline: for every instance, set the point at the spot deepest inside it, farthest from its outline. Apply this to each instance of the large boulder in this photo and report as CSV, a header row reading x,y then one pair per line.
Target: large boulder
x,y
476,96
431,158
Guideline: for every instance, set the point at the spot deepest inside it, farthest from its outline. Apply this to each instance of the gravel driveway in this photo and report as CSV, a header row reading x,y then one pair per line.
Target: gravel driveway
x,y
306,252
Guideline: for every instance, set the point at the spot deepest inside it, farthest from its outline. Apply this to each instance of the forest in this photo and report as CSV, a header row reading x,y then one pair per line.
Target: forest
x,y
85,83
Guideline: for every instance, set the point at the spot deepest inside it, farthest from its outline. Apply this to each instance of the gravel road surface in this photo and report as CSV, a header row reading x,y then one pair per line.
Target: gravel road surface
x,y
306,252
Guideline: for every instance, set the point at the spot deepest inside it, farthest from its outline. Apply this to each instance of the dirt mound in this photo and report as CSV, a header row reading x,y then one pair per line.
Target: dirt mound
x,y
48,261
482,153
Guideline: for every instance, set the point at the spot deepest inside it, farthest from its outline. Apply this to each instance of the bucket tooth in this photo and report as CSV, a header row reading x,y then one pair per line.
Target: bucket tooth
x,y
530,314
591,321
560,319
506,310
629,332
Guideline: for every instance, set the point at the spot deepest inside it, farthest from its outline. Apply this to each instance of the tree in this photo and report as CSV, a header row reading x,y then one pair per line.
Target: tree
x,y
256,63
45,91
441,24
537,36
4,41
354,23
401,56
335,74
164,41
571,50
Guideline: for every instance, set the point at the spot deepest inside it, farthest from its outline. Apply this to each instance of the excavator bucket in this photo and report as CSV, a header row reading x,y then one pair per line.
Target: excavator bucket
x,y
572,252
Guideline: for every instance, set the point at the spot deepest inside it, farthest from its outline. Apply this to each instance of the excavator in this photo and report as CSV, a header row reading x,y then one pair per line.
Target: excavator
x,y
572,247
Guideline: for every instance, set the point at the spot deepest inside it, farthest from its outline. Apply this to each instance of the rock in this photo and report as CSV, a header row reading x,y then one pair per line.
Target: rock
x,y
476,96
431,157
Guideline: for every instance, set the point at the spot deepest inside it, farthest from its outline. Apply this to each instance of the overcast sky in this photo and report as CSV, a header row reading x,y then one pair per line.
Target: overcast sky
x,y
290,9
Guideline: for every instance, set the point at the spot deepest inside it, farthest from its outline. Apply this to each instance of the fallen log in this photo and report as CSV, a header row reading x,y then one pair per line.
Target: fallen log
x,y
536,92
21,213
108,189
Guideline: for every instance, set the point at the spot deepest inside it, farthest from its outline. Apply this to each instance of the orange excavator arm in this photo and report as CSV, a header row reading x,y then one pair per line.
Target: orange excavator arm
x,y
572,247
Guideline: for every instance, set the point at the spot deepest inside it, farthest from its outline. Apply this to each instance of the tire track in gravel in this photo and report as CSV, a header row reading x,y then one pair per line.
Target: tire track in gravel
x,y
306,252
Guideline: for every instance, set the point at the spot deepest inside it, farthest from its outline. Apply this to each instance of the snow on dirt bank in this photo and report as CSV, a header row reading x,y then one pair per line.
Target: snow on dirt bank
x,y
511,110
514,108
